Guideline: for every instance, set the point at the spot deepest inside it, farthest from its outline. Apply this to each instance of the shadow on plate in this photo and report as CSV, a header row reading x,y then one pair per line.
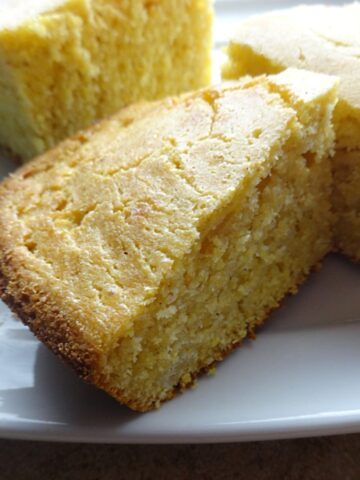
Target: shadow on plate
x,y
328,297
58,395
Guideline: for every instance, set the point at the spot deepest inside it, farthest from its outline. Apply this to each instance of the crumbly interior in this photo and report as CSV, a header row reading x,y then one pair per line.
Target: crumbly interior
x,y
275,233
81,61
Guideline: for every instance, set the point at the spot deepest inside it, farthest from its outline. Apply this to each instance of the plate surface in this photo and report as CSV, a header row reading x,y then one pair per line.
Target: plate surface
x,y
299,378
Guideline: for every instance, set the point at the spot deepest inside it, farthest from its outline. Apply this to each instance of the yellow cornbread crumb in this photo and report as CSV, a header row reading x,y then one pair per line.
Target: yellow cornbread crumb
x,y
322,39
148,247
65,64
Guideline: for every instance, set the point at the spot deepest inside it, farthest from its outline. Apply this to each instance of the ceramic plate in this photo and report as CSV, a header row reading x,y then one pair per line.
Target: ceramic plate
x,y
299,378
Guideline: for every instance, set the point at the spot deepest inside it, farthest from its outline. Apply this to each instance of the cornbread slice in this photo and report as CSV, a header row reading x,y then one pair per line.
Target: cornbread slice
x,y
145,249
321,39
66,63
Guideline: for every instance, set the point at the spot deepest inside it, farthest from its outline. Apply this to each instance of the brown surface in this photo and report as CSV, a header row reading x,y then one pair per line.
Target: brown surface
x,y
321,459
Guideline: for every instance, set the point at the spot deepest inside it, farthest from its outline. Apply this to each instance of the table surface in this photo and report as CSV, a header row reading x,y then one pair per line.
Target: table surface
x,y
327,458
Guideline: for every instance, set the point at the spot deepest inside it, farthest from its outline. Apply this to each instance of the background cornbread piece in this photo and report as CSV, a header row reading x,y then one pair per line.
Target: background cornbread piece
x,y
322,39
347,201
145,249
65,64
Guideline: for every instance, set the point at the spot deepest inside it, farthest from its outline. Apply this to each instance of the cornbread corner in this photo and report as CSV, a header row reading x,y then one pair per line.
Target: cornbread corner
x,y
145,249
323,39
67,63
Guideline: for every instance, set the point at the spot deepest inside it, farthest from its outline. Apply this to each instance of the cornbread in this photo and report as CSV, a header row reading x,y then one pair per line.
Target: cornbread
x,y
346,201
146,248
66,63
321,39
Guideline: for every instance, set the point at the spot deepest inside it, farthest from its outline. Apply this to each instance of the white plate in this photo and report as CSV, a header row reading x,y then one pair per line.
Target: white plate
x,y
299,378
